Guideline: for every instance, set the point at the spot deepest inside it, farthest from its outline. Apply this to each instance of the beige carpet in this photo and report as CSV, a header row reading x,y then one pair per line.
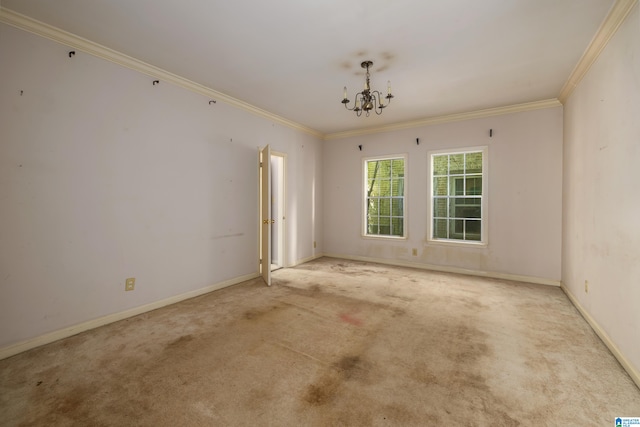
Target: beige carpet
x,y
332,342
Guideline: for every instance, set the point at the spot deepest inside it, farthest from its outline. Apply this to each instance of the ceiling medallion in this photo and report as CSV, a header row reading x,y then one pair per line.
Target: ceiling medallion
x,y
368,100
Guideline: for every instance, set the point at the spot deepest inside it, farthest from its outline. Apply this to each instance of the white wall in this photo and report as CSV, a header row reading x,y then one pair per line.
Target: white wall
x,y
525,178
104,176
601,220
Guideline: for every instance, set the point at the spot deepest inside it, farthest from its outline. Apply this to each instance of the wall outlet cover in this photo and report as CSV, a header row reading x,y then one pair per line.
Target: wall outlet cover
x,y
130,284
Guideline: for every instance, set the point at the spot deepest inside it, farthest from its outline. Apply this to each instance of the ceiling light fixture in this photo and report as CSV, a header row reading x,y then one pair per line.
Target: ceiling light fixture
x,y
368,100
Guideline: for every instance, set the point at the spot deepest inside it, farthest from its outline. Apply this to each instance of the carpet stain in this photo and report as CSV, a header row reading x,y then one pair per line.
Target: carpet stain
x,y
69,403
397,312
178,343
67,408
347,368
255,314
352,368
322,392
466,351
312,290
315,288
347,318
467,344
358,269
347,363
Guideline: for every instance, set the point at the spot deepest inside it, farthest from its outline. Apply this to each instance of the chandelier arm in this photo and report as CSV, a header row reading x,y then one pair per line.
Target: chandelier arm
x,y
378,106
387,97
355,102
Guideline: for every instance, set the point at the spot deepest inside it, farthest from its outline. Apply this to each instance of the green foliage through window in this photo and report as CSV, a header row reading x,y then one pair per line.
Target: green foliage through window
x,y
457,196
384,197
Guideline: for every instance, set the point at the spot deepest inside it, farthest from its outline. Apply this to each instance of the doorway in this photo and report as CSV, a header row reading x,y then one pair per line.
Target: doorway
x,y
272,215
278,255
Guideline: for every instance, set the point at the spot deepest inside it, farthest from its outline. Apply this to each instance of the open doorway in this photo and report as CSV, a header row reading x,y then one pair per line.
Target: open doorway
x,y
278,254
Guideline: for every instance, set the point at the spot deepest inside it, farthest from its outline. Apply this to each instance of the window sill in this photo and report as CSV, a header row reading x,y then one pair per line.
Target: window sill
x,y
459,244
376,237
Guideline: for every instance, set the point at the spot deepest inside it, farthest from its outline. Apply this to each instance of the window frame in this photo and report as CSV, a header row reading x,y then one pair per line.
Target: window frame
x,y
484,203
363,198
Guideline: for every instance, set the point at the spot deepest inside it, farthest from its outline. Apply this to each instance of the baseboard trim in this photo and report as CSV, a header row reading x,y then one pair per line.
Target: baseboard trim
x,y
631,370
448,269
303,260
111,318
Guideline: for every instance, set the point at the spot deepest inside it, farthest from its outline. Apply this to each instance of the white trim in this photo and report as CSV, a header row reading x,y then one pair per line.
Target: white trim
x,y
448,269
457,117
50,32
631,370
308,259
60,36
618,13
115,317
612,22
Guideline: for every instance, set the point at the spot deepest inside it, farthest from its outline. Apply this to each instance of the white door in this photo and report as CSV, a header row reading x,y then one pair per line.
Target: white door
x,y
265,214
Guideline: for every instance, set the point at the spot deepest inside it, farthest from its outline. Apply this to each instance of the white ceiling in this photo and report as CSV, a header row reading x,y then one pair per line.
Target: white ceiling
x,y
293,57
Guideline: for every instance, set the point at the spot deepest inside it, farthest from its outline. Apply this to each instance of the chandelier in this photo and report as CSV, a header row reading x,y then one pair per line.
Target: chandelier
x,y
368,100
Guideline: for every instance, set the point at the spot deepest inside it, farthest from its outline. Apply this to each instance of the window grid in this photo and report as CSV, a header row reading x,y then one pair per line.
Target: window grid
x,y
457,196
384,197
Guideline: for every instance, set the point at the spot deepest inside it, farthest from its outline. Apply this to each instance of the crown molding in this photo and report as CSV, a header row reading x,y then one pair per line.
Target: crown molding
x,y
618,13
457,117
50,32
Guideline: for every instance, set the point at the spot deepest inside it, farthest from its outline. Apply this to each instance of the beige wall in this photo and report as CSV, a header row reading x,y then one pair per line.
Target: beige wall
x,y
601,219
525,178
104,176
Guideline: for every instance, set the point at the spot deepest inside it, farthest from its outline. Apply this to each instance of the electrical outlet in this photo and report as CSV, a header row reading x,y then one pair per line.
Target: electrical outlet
x,y
130,284
314,244
586,286
414,252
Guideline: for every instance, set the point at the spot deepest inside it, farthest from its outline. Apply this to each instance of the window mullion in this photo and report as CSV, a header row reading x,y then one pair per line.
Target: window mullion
x,y
464,173
385,183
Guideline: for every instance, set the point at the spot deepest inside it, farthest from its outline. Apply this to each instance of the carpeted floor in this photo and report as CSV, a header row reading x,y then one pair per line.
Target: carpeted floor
x,y
332,342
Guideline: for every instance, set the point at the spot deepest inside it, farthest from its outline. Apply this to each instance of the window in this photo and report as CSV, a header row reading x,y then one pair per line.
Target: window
x,y
458,195
384,201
